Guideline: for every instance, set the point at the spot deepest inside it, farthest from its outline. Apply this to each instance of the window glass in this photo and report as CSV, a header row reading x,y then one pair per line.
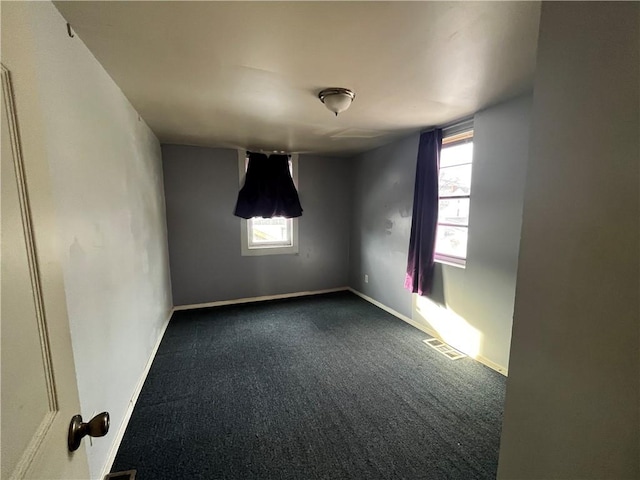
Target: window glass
x,y
454,188
270,231
456,154
452,241
455,181
454,211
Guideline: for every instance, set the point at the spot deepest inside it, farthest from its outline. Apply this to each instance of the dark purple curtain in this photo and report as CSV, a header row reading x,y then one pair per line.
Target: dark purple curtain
x,y
268,189
425,214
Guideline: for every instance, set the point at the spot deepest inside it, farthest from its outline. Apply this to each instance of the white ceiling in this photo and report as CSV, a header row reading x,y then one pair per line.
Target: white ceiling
x,y
247,74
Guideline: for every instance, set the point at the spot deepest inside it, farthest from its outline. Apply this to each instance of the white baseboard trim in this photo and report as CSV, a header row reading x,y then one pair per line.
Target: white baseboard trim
x,y
132,402
258,299
492,365
392,312
136,393
134,398
429,331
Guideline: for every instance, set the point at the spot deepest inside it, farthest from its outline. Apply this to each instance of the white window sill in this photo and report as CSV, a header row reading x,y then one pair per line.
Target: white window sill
x,y
452,262
254,252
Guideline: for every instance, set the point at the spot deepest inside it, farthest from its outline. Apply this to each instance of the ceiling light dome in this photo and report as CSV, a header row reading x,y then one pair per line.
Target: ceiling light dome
x,y
336,99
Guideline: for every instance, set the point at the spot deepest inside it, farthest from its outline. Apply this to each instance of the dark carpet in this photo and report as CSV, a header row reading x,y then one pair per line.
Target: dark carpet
x,y
327,387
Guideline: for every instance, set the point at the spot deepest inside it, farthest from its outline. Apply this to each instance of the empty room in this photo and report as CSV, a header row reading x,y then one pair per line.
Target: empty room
x,y
320,240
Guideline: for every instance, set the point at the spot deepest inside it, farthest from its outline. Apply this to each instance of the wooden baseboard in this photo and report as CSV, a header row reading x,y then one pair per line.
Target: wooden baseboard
x,y
258,299
132,402
429,331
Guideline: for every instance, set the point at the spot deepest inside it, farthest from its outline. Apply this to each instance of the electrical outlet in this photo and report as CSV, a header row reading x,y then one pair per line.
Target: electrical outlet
x,y
366,278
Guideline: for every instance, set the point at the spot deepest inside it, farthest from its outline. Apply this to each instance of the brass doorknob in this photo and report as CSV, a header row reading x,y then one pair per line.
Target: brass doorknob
x,y
98,426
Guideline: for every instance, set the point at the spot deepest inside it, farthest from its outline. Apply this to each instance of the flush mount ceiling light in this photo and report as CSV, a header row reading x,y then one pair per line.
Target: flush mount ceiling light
x,y
336,99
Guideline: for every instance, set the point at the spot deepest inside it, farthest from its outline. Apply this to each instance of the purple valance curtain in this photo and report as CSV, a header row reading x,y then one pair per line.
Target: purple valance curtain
x,y
425,214
268,189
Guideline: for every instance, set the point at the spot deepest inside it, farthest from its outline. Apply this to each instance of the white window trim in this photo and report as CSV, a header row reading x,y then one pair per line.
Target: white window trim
x,y
451,261
454,130
246,251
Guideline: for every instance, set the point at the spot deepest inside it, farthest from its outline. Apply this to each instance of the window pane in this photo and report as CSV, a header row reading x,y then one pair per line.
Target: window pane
x,y
269,231
454,210
455,181
456,154
452,241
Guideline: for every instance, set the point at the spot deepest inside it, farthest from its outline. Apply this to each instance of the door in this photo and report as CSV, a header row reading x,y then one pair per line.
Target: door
x,y
39,393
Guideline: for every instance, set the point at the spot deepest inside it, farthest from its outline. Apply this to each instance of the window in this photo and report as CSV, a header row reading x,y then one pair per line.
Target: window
x,y
455,197
268,236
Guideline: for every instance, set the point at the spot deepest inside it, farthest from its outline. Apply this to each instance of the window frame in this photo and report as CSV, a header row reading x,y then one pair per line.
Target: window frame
x,y
456,135
246,227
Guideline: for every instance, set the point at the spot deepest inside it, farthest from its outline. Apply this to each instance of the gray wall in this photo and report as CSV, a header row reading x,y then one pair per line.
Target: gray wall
x,y
481,295
382,203
572,394
201,187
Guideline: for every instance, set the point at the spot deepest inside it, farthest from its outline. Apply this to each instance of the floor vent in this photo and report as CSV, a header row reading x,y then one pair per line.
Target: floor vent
x,y
449,352
128,475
